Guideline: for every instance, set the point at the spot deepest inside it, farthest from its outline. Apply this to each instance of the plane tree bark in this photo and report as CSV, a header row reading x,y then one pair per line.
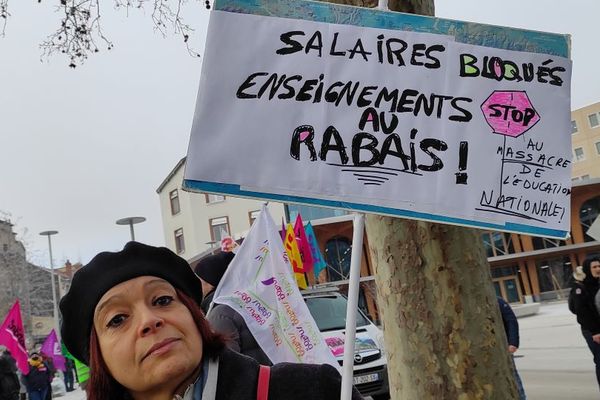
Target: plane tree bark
x,y
442,327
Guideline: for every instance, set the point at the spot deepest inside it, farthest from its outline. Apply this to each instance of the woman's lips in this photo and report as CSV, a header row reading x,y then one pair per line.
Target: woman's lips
x,y
161,347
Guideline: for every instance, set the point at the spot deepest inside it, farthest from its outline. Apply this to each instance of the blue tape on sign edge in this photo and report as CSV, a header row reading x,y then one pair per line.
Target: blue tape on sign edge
x,y
234,190
499,37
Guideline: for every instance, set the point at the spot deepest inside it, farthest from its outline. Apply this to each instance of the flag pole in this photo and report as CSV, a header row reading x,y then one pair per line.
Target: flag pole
x,y
350,335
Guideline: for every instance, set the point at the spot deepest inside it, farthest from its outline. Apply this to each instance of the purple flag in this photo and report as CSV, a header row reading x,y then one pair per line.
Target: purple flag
x,y
319,263
51,348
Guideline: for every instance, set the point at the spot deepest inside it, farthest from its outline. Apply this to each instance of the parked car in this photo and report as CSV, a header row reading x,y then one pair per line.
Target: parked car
x,y
328,308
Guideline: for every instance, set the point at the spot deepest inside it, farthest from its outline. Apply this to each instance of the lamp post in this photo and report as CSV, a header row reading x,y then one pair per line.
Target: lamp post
x,y
130,221
54,304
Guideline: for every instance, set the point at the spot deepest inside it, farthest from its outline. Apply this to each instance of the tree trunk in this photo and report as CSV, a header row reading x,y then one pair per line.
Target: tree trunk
x,y
443,331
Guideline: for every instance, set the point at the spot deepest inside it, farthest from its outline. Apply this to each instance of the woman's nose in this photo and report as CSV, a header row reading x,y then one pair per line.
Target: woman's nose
x,y
150,323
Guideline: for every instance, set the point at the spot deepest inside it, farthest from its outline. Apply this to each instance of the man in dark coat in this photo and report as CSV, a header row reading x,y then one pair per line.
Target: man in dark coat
x,y
38,378
9,380
511,327
287,382
223,318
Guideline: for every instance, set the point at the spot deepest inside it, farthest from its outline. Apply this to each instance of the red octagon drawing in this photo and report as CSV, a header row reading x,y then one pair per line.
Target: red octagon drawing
x,y
509,113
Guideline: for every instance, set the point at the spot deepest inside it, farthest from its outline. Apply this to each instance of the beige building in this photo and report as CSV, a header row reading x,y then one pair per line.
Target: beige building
x,y
194,222
585,129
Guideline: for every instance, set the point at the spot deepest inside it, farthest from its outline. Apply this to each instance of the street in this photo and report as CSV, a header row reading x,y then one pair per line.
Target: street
x,y
553,360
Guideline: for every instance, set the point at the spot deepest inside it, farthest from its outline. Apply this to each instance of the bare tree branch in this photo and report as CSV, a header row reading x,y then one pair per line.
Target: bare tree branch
x,y
80,33
4,14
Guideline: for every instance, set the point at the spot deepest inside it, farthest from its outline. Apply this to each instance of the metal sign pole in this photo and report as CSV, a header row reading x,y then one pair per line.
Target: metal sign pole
x,y
353,285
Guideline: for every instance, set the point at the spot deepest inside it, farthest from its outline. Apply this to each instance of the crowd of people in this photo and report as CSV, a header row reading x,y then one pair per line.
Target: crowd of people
x,y
36,382
147,327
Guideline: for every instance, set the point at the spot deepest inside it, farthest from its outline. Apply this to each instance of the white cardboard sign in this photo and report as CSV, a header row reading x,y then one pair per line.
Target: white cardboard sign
x,y
391,120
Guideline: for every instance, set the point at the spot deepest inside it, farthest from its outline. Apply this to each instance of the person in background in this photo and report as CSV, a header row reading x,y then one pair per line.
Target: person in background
x,y
223,318
134,317
9,380
37,380
68,374
582,303
49,361
511,327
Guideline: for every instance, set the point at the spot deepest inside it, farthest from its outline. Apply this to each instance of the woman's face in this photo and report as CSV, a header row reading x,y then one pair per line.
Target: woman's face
x,y
148,338
595,268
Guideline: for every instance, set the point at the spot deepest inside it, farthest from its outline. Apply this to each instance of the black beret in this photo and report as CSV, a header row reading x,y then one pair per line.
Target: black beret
x,y
211,268
108,269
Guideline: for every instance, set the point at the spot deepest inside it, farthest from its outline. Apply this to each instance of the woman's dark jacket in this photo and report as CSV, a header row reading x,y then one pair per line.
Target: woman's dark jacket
x,y
238,377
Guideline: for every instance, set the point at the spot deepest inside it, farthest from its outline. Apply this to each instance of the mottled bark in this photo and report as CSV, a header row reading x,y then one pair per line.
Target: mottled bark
x,y
442,328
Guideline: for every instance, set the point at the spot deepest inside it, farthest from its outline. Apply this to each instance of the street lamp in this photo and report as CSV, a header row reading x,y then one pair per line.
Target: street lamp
x,y
54,304
130,221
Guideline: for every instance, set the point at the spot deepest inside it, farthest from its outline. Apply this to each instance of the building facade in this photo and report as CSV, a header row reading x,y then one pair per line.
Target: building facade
x,y
585,130
195,223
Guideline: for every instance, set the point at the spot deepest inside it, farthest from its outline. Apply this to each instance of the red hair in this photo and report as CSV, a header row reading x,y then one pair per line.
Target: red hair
x,y
102,386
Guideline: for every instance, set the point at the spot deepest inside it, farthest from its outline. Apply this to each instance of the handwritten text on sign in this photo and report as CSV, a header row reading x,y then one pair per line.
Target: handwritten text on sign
x,y
387,118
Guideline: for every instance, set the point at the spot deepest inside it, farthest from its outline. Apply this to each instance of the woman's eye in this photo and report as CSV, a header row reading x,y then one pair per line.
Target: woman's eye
x,y
163,301
116,321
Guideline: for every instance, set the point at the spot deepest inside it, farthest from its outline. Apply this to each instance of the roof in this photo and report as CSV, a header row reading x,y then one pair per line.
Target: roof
x,y
587,182
171,175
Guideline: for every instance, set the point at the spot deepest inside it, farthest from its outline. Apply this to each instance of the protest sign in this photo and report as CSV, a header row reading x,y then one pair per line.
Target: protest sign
x,y
260,286
344,111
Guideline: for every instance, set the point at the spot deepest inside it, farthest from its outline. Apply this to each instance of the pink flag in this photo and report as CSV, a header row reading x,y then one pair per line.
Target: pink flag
x,y
12,335
51,348
303,245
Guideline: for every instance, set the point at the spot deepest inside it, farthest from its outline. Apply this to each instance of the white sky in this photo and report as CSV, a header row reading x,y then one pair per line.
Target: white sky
x,y
82,148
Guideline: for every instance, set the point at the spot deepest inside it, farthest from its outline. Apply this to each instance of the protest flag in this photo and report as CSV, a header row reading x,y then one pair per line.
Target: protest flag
x,y
260,286
12,335
319,263
51,348
282,232
291,247
303,246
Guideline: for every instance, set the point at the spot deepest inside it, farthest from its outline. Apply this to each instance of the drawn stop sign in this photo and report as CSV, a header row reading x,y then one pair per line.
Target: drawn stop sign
x,y
509,113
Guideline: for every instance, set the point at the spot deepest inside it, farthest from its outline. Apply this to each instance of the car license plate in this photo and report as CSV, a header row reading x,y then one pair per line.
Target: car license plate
x,y
366,378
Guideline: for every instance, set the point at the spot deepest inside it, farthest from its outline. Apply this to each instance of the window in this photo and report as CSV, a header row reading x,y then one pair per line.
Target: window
x,y
179,242
585,177
219,228
214,198
576,179
593,118
337,255
573,127
598,147
252,215
579,154
174,198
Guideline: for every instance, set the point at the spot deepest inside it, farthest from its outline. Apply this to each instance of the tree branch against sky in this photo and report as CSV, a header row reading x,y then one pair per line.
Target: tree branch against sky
x,y
80,32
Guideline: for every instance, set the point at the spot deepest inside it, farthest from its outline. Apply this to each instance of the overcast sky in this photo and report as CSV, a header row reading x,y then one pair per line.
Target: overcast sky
x,y
82,148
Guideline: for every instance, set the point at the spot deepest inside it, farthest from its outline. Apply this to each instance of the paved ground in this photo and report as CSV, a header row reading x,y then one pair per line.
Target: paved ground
x,y
554,361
